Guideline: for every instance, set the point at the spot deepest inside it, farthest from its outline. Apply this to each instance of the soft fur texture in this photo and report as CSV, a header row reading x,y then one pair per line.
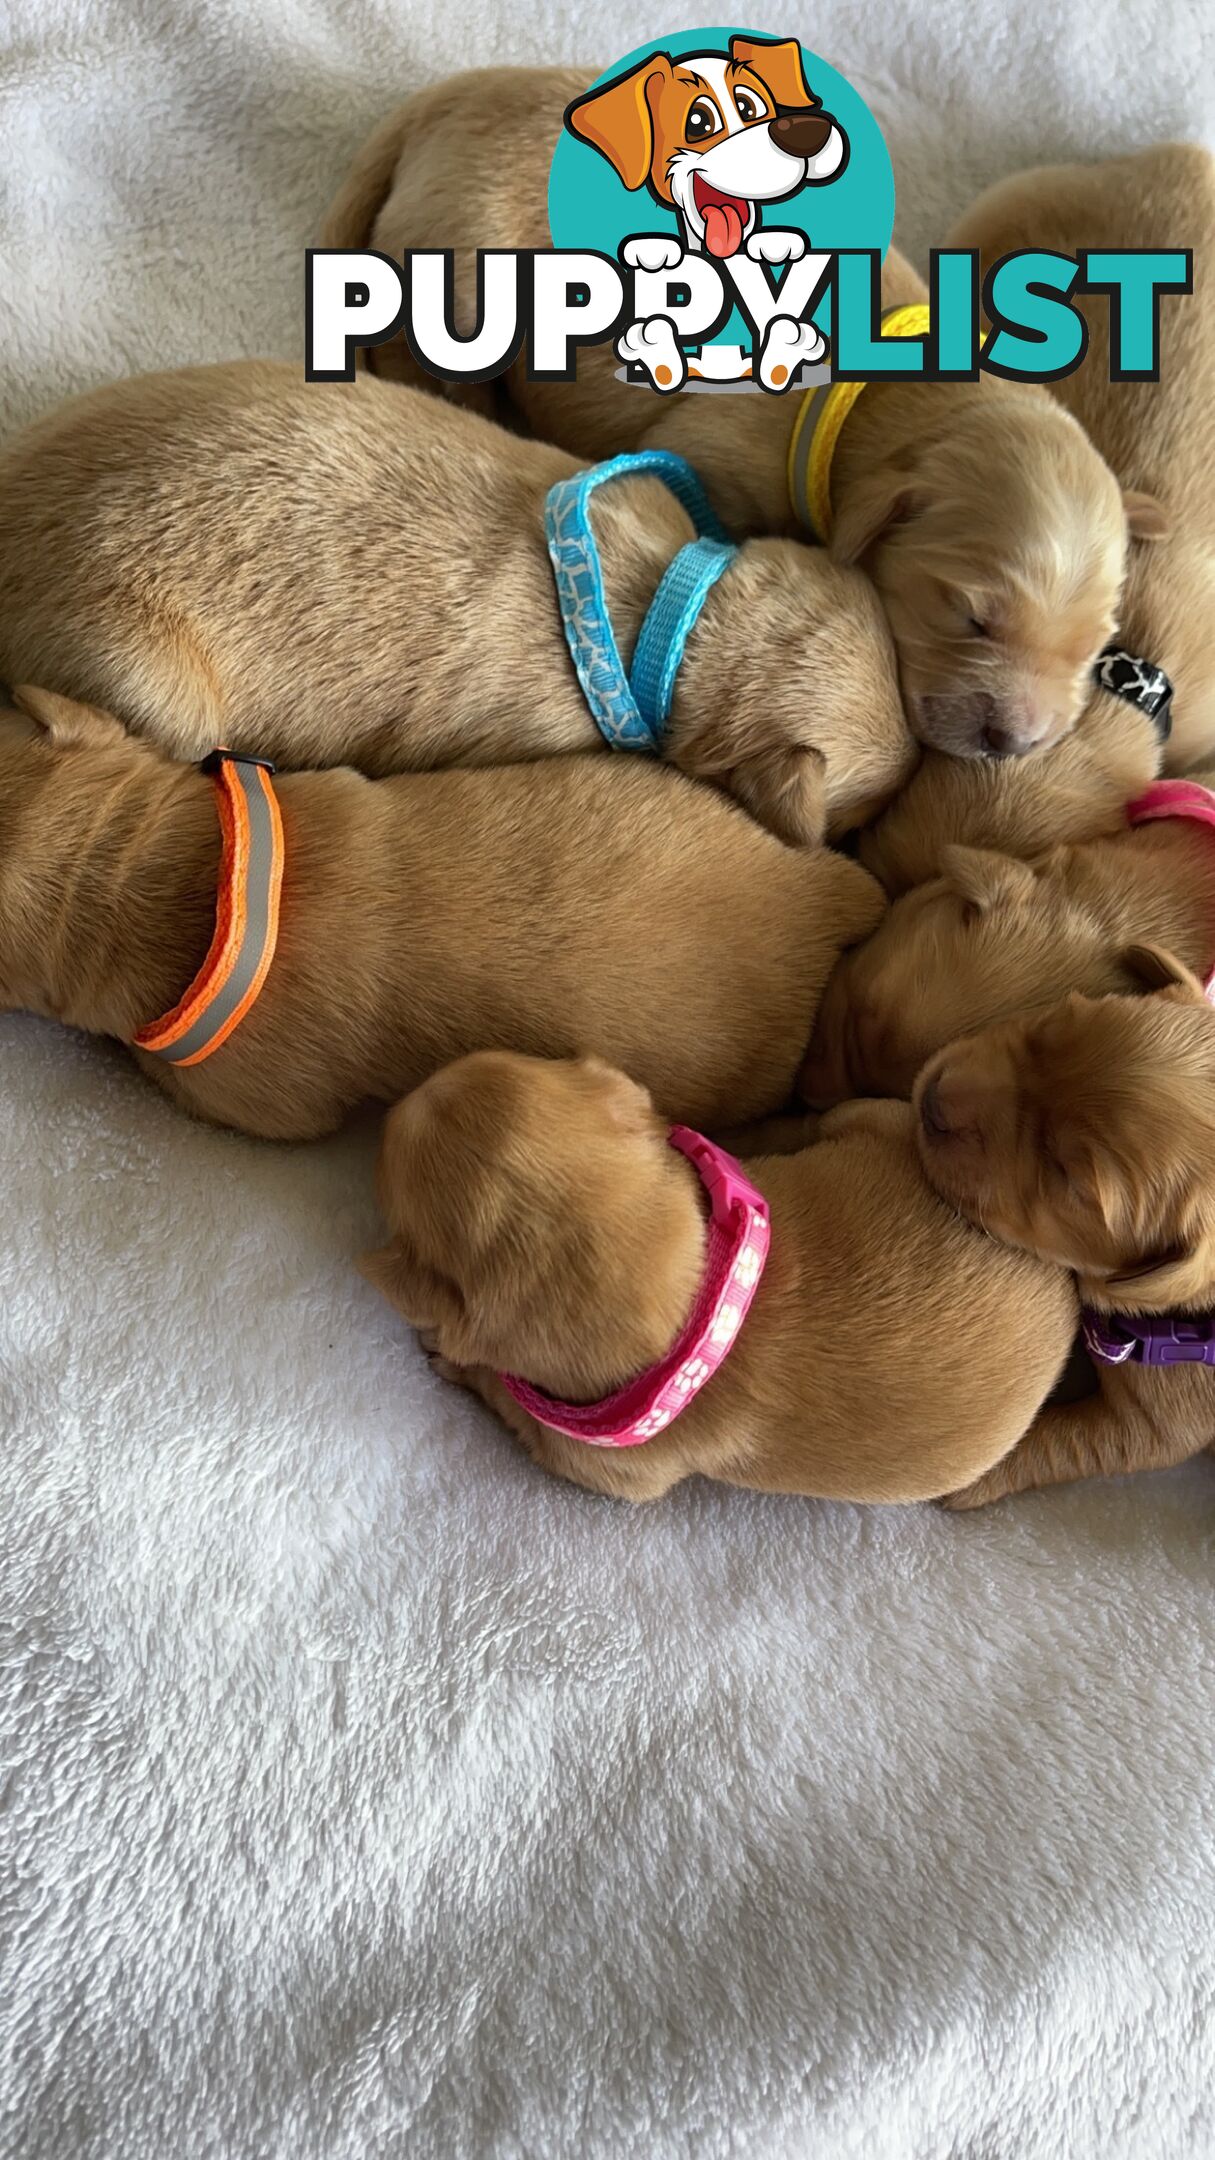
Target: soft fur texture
x,y
544,1227
422,916
1086,1137
332,573
368,1794
977,502
993,936
1159,438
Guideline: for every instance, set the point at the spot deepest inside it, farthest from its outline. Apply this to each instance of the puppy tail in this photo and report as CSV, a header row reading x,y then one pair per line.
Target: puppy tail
x,y
350,219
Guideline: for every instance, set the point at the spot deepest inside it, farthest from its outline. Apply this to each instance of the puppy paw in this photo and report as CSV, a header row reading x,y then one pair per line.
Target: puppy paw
x,y
776,246
981,1494
786,347
651,251
651,345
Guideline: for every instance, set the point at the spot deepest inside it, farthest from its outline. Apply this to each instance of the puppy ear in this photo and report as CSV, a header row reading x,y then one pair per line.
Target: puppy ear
x,y
1146,518
1153,967
626,1104
414,1290
1180,1277
616,119
986,880
67,723
778,64
786,789
874,503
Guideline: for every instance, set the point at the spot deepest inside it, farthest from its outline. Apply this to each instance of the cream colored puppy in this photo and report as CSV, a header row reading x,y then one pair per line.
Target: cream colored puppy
x,y
559,907
543,1226
1159,438
333,573
994,532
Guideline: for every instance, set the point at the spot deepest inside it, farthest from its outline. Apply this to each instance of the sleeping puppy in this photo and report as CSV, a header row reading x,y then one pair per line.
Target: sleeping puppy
x,y
1159,439
543,1226
560,907
1022,806
995,534
1086,1136
331,573
993,937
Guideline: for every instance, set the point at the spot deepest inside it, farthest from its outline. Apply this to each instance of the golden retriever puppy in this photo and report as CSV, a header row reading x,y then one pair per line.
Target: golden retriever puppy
x,y
993,937
1086,1136
560,907
1159,439
1022,806
544,1227
332,573
994,532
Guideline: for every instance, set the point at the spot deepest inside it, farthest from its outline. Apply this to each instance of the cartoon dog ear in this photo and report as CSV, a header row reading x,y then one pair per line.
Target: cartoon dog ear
x,y
786,789
985,879
875,502
65,721
1146,519
1153,967
617,121
778,63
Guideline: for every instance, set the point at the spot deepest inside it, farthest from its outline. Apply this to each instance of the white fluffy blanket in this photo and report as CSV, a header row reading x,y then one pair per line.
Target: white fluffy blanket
x,y
365,1794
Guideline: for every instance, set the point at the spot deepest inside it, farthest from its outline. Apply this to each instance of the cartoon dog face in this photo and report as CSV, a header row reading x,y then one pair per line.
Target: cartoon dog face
x,y
714,135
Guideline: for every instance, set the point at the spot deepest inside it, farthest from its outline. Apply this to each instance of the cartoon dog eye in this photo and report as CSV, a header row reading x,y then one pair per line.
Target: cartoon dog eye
x,y
703,119
750,107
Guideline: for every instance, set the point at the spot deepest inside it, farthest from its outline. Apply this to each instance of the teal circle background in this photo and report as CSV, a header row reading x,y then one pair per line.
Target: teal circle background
x,y
590,207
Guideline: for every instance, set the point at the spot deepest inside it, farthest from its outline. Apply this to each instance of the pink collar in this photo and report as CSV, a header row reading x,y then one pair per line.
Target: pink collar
x,y
739,1233
1176,798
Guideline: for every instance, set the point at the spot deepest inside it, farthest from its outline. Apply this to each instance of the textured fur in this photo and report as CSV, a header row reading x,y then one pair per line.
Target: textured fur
x,y
329,574
1086,1137
561,907
975,499
1159,438
544,1227
993,936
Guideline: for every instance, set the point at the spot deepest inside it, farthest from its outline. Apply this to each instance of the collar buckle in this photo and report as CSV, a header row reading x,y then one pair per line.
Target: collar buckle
x,y
1150,1339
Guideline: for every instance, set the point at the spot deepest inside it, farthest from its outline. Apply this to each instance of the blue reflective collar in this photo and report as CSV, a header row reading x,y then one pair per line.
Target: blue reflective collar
x,y
631,711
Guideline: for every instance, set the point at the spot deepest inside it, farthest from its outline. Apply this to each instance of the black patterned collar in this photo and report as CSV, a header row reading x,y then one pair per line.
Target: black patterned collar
x,y
1140,682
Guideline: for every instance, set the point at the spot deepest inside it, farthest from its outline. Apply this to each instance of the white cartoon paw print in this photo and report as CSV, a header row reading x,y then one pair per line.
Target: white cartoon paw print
x,y
776,246
786,346
692,1375
746,1274
646,1427
652,345
651,251
726,1325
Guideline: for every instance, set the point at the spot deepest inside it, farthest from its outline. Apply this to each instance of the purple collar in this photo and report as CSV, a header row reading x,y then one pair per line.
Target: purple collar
x,y
1149,1338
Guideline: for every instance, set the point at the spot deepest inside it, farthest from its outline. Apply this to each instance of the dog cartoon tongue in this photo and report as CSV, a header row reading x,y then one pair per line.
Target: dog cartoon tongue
x,y
723,227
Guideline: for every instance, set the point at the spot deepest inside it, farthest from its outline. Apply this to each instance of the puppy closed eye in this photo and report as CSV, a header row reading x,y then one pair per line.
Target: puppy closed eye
x,y
976,627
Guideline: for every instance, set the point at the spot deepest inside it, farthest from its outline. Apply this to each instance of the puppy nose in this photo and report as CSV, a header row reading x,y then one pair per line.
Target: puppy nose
x,y
999,742
801,134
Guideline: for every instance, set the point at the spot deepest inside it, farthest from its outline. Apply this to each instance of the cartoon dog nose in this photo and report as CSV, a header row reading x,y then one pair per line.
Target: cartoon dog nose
x,y
801,134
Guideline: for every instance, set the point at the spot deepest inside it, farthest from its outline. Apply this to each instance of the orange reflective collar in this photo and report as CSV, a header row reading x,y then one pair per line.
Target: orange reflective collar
x,y
246,916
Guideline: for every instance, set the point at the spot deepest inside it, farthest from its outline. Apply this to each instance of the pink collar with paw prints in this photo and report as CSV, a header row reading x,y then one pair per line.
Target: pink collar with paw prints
x,y
739,1235
1177,799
